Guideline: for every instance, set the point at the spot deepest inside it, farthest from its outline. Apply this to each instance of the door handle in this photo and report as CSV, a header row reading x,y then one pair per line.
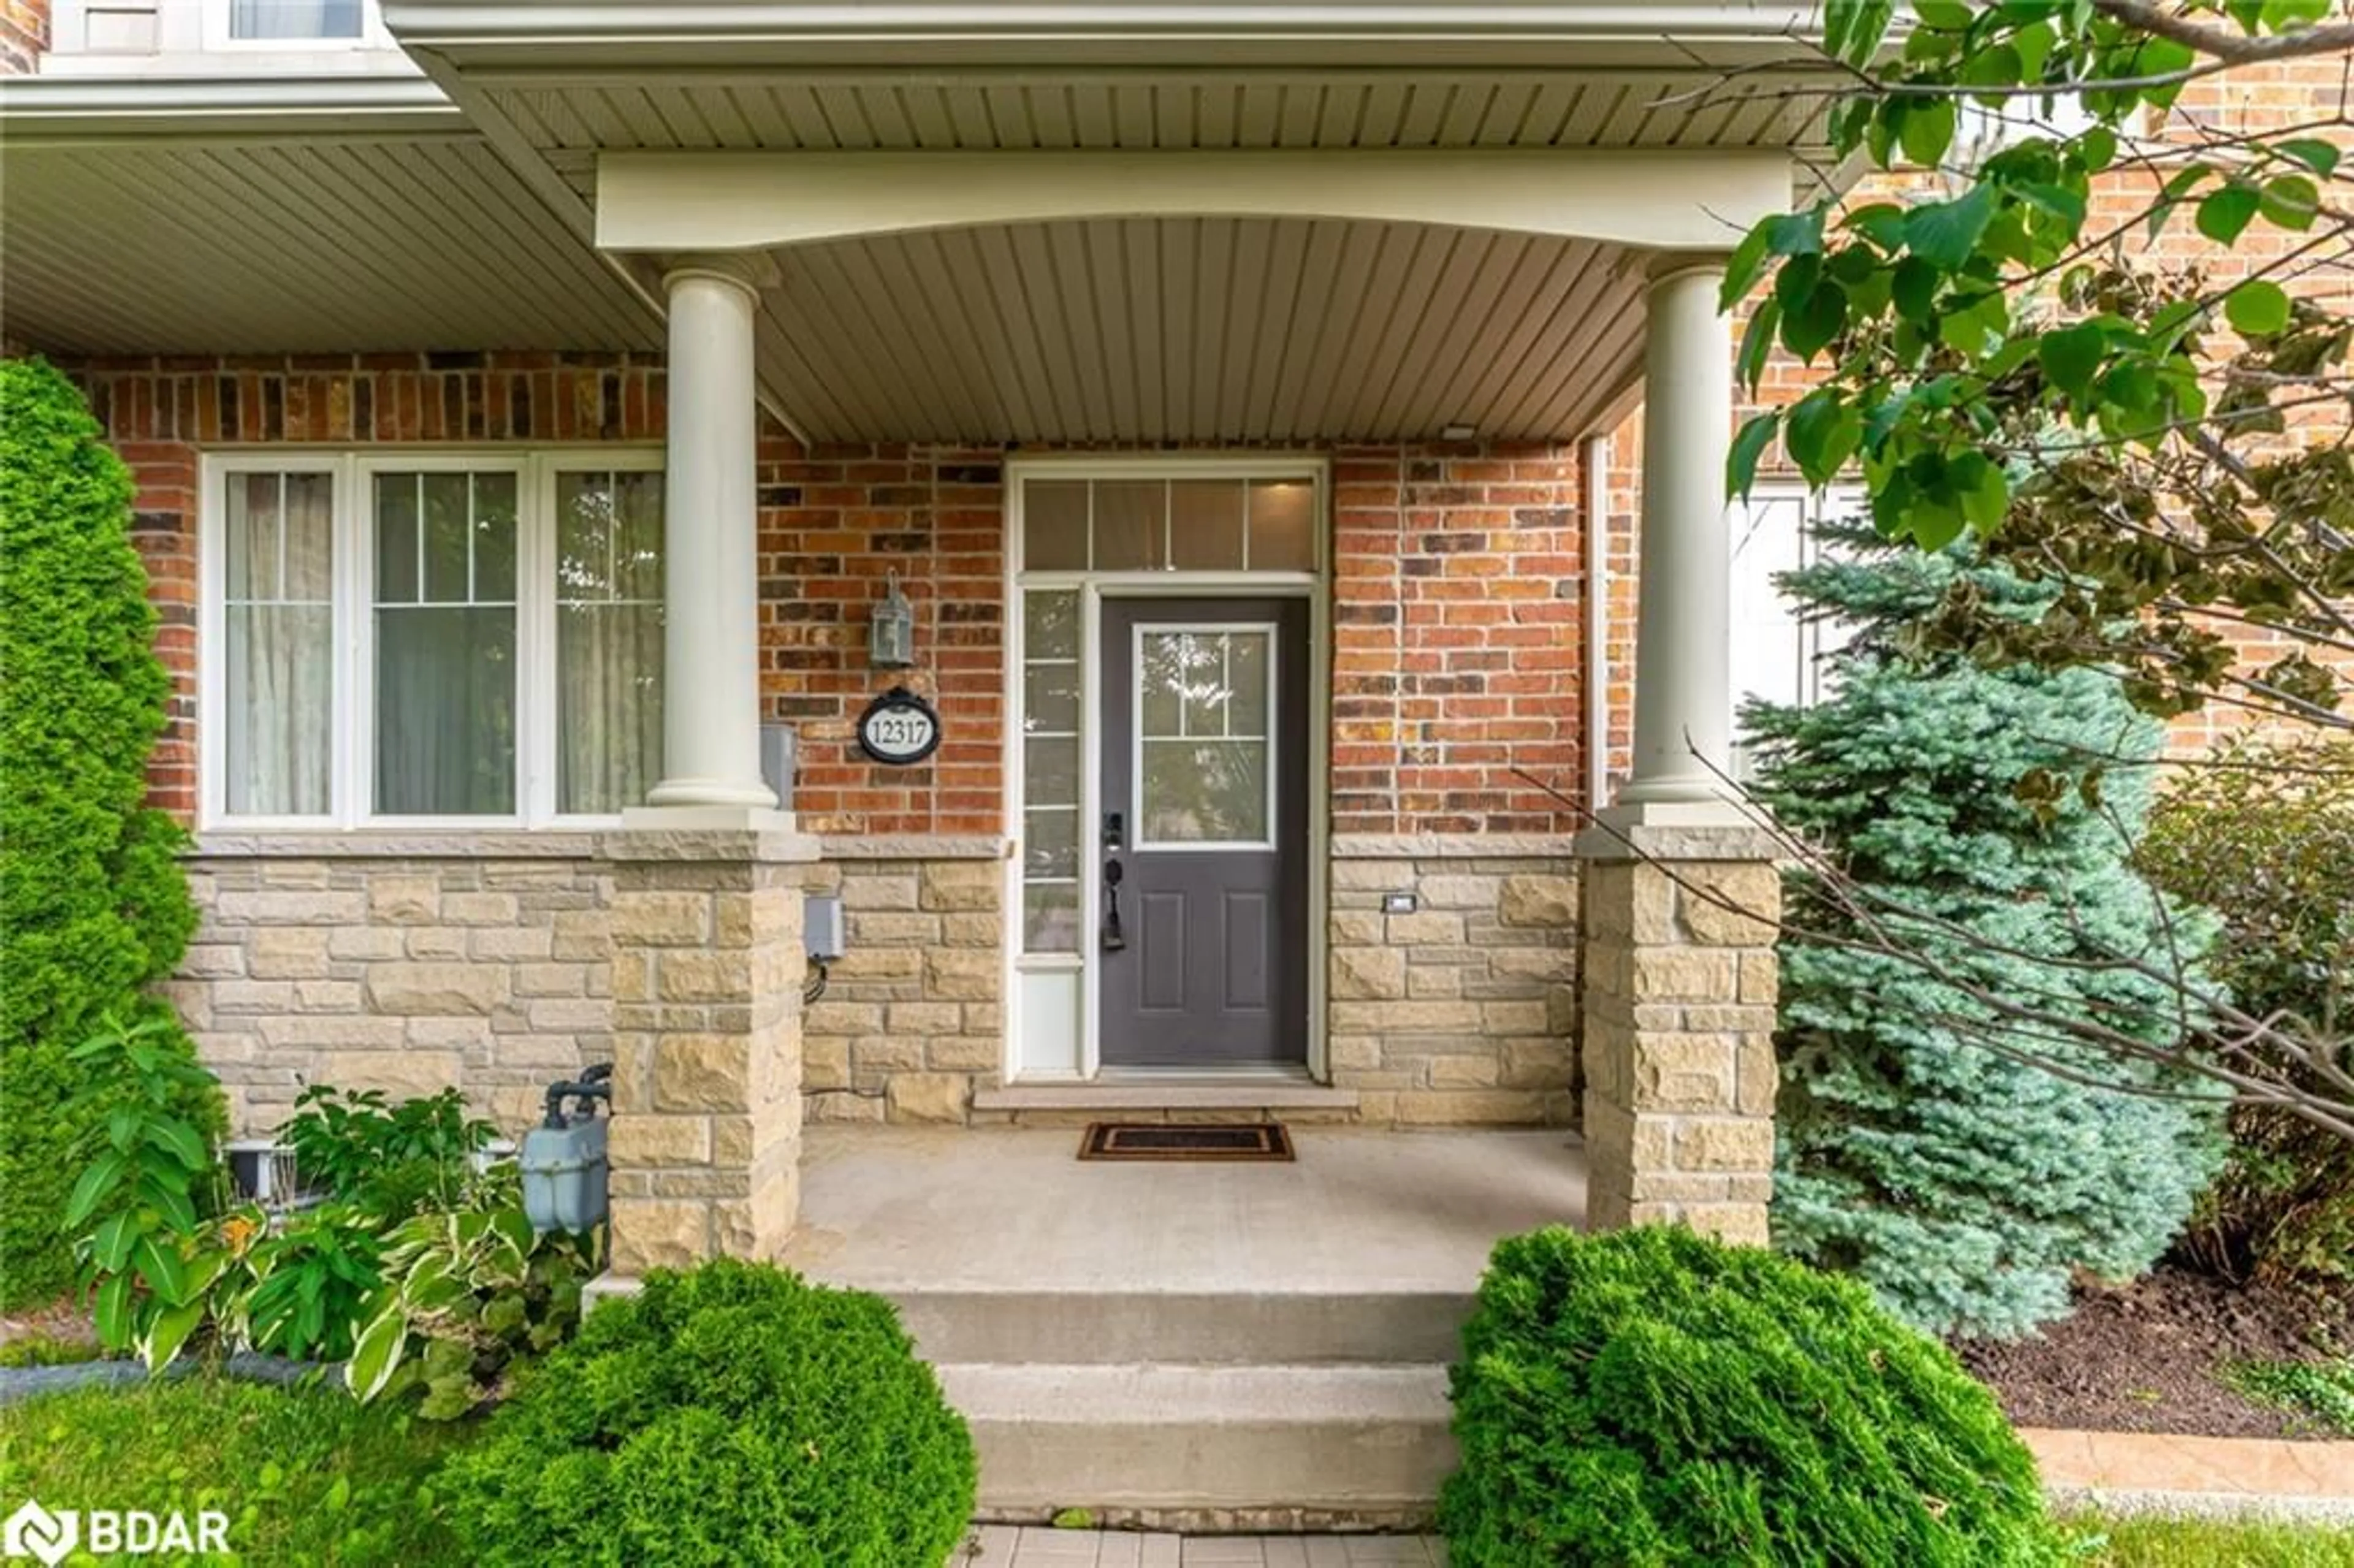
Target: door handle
x,y
1113,940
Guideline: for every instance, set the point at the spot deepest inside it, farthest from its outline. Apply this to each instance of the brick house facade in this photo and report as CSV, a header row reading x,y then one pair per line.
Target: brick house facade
x,y
890,312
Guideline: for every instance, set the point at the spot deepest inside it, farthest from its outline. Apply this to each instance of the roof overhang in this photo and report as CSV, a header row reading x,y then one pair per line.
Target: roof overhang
x,y
1603,35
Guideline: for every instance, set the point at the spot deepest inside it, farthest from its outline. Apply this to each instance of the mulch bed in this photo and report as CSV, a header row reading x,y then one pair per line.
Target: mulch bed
x,y
2147,1357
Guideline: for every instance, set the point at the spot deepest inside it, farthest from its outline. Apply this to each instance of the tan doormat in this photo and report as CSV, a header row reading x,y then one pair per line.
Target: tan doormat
x,y
1186,1140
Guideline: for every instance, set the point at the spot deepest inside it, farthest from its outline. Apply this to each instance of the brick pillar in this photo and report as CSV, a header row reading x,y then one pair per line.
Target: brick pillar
x,y
1679,1019
707,972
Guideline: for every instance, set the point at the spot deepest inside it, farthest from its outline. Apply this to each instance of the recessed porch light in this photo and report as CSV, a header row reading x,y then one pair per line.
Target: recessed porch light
x,y
1458,433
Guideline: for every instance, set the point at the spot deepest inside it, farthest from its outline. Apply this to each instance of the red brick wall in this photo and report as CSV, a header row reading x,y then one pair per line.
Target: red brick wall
x,y
24,36
1458,626
161,414
1457,596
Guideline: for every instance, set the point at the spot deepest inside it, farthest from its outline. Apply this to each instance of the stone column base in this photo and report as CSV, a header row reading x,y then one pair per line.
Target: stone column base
x,y
707,972
1679,988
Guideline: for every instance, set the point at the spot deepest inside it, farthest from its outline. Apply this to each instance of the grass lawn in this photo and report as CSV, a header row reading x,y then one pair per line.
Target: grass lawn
x,y
2213,1544
306,1476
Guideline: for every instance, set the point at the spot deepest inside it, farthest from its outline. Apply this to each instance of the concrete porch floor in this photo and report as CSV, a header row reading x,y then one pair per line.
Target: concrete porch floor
x,y
1015,1209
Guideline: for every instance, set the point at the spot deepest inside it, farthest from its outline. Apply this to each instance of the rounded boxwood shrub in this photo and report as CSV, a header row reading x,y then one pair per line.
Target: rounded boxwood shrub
x,y
733,1415
1648,1397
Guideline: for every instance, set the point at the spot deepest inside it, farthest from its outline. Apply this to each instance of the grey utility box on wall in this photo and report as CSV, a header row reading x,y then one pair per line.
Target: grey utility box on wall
x,y
821,931
777,762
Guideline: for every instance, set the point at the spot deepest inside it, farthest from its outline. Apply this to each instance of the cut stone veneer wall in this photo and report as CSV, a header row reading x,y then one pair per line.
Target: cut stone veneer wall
x,y
912,1018
1679,994
1464,1012
397,962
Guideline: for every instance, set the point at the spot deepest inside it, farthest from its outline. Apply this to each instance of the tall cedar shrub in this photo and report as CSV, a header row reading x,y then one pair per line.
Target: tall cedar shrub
x,y
2264,837
1964,1184
93,905
1647,1398
731,1414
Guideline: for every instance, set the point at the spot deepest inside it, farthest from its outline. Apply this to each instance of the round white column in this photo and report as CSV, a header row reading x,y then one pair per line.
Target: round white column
x,y
711,631
1683,647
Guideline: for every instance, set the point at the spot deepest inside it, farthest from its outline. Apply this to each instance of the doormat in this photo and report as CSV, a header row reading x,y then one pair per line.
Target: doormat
x,y
1186,1140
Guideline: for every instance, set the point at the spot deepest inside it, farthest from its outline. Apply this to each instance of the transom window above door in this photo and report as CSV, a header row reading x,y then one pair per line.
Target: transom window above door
x,y
1215,524
470,638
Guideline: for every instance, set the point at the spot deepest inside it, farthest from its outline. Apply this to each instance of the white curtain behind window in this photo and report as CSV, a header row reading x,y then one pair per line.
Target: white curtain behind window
x,y
295,19
278,615
445,644
608,641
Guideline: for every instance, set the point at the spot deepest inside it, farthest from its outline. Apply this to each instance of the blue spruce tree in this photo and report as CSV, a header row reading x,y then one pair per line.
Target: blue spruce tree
x,y
1965,1185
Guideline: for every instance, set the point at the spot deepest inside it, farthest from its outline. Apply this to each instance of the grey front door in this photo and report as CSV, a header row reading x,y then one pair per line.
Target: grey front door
x,y
1204,842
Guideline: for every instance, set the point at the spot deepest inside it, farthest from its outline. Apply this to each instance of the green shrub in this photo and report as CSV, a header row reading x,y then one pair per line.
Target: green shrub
x,y
734,1414
1646,1397
93,905
2263,835
1963,1163
2321,1391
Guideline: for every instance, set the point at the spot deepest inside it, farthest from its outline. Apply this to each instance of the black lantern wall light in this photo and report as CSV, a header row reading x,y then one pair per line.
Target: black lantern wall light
x,y
891,639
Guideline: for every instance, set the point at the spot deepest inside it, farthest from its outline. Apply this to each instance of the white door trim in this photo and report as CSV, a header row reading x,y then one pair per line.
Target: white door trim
x,y
1093,589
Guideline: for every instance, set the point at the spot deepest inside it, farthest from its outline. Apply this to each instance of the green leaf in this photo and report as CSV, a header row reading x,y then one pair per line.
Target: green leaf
x,y
110,1313
2072,358
2226,213
2287,16
1823,431
160,1266
1741,464
1741,268
2290,201
97,1183
1915,288
168,1331
1854,29
179,1140
1758,343
1809,327
376,1354
1945,233
110,1246
1946,15
2098,147
2257,308
1933,523
2315,153
1927,129
1984,489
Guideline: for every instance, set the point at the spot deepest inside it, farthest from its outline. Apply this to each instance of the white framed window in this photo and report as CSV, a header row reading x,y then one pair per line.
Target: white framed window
x,y
1203,733
394,638
1780,653
285,24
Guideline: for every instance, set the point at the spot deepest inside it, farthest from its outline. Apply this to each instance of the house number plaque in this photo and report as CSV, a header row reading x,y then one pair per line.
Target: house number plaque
x,y
899,728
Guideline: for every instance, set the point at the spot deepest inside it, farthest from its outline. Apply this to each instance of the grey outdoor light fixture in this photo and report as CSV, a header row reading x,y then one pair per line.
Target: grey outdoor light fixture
x,y
892,639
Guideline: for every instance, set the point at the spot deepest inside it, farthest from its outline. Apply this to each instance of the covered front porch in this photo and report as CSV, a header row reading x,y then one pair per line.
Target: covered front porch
x,y
1205,1345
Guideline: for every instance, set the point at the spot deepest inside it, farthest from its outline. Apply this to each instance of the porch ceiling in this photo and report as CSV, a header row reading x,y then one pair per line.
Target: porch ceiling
x,y
1200,329
567,126
315,243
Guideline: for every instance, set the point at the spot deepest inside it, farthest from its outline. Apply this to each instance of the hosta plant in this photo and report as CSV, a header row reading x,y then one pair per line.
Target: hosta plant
x,y
465,1294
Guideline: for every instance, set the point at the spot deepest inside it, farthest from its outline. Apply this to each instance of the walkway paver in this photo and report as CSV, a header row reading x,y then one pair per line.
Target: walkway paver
x,y
1028,1546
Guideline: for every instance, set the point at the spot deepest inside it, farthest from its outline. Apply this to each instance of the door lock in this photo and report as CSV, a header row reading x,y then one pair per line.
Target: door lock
x,y
1113,940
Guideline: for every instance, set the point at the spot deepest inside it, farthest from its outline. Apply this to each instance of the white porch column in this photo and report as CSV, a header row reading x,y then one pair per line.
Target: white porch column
x,y
1683,693
711,647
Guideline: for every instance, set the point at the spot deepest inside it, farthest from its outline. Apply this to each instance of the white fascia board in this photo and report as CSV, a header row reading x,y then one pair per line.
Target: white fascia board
x,y
1697,200
735,32
54,108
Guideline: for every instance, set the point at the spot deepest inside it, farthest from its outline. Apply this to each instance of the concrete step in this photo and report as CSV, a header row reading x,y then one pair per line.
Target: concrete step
x,y
1213,1328
1368,1441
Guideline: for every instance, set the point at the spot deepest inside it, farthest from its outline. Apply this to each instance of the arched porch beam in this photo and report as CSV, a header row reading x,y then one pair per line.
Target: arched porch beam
x,y
1659,200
